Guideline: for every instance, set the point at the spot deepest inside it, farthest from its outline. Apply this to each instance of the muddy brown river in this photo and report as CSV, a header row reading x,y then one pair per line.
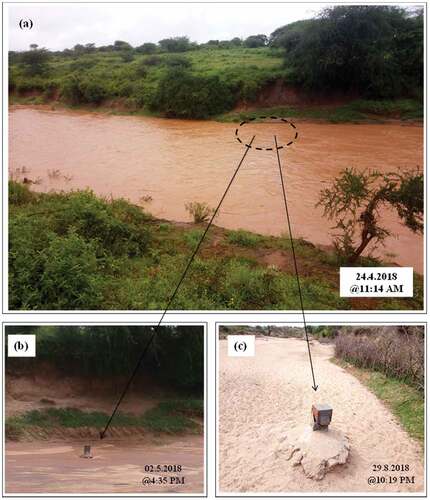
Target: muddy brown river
x,y
163,164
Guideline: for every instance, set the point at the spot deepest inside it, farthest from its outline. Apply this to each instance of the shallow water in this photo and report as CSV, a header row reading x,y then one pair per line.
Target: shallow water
x,y
171,162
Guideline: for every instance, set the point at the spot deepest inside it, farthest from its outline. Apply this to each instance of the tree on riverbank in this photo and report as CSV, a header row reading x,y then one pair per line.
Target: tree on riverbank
x,y
354,201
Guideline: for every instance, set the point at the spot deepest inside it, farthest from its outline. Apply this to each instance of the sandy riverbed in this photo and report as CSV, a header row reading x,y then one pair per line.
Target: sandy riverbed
x,y
116,466
263,397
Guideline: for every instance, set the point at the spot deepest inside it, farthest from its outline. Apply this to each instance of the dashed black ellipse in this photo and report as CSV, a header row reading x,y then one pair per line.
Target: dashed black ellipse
x,y
259,148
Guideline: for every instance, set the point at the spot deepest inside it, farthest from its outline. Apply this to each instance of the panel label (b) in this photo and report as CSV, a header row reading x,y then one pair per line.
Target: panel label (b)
x,y
21,346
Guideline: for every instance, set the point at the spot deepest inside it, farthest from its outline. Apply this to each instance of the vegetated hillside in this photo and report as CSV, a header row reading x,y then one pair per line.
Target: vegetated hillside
x,y
344,54
74,251
194,84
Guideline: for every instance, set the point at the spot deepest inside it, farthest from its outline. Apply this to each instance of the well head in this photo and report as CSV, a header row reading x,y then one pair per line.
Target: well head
x,y
87,452
322,415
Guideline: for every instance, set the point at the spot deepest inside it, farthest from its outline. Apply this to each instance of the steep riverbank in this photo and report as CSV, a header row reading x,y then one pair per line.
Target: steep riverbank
x,y
406,111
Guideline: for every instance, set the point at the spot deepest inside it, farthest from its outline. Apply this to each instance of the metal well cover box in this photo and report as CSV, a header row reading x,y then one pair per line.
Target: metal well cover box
x,y
322,414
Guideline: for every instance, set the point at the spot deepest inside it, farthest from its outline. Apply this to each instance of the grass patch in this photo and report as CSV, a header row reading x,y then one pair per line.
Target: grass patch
x,y
192,237
406,402
173,416
357,111
244,238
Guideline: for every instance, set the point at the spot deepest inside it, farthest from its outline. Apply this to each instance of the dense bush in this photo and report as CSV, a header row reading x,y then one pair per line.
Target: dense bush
x,y
175,44
396,352
62,246
36,84
152,61
376,51
184,95
175,357
255,41
177,61
35,61
49,271
147,48
19,194
77,90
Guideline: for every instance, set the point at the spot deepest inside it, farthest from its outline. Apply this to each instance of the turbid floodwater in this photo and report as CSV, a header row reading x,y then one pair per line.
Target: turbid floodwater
x,y
164,164
48,467
266,399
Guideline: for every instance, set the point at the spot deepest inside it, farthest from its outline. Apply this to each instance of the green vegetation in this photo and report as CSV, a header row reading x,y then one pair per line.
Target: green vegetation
x,y
354,200
369,56
375,51
244,238
395,352
200,212
406,402
172,417
194,84
76,251
357,111
174,359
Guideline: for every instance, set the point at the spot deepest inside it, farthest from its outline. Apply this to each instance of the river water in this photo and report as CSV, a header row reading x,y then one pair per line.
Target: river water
x,y
163,164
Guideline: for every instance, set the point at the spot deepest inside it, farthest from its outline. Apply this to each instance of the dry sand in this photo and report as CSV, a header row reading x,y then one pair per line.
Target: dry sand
x,y
264,398
116,466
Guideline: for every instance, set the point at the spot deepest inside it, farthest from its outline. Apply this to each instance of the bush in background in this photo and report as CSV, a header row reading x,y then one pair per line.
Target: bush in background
x,y
175,358
395,352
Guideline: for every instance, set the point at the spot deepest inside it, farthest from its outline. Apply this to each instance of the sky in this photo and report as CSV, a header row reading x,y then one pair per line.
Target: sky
x,y
58,26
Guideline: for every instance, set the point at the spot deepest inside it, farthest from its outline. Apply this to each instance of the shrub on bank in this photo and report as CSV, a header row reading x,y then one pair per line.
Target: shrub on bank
x,y
199,211
76,90
184,95
61,246
394,353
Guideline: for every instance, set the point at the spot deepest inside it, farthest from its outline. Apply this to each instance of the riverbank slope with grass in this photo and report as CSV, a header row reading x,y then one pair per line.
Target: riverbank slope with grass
x,y
75,251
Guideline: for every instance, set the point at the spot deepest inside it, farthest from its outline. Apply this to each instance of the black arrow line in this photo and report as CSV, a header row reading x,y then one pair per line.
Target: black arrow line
x,y
172,297
314,386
